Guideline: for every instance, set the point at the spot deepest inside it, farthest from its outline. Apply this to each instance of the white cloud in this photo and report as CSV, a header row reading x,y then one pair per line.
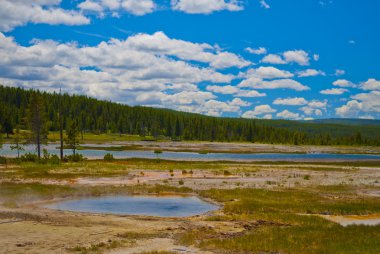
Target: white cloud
x,y
273,59
291,56
314,107
206,6
132,71
234,90
310,73
268,73
297,56
15,13
249,93
259,110
343,83
135,7
202,52
334,91
138,7
316,57
370,101
258,51
339,72
352,108
296,101
264,4
352,42
286,114
240,103
370,84
273,84
223,89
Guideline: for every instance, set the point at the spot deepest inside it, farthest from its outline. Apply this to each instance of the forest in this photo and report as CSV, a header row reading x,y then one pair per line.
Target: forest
x,y
97,116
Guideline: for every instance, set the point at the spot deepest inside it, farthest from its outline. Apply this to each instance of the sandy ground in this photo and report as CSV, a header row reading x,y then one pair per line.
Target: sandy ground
x,y
369,220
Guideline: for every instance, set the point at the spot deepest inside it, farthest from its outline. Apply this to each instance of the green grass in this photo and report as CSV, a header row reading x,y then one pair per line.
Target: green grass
x,y
284,226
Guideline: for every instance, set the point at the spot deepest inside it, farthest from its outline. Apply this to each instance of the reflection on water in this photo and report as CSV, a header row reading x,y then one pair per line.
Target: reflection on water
x,y
99,154
163,206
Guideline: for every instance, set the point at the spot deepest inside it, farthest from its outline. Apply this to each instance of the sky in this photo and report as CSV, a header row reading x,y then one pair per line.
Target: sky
x,y
271,59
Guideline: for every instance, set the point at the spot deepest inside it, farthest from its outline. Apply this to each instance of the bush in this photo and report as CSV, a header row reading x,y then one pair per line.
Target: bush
x,y
108,157
3,160
29,157
74,157
181,182
226,173
54,159
157,151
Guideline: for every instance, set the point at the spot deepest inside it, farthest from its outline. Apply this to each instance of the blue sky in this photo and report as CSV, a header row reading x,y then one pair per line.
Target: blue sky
x,y
290,59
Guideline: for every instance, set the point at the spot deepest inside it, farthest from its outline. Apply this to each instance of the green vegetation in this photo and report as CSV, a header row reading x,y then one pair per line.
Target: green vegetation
x,y
100,117
277,222
108,157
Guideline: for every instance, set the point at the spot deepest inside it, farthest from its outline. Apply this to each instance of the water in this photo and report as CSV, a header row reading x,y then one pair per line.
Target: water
x,y
188,156
162,206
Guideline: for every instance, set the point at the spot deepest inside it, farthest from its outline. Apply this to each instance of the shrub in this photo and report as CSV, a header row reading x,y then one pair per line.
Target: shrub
x,y
157,151
54,159
226,173
108,157
184,172
3,160
29,157
74,157
181,182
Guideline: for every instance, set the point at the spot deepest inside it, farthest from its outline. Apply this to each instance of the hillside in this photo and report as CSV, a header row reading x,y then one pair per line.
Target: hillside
x,y
103,116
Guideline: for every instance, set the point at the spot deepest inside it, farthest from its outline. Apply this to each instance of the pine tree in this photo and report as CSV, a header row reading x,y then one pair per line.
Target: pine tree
x,y
17,142
73,136
37,122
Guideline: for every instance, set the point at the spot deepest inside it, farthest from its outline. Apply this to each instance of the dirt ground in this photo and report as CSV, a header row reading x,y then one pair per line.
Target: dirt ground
x,y
30,228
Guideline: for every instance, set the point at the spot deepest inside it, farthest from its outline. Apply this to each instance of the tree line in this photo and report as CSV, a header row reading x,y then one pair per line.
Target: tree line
x,y
20,108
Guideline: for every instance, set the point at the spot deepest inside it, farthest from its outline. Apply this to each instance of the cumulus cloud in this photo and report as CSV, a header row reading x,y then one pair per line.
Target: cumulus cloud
x,y
102,7
259,110
223,89
256,51
310,73
334,91
315,107
268,73
370,84
273,59
143,69
296,101
15,13
273,84
343,83
206,6
236,91
300,57
351,109
286,114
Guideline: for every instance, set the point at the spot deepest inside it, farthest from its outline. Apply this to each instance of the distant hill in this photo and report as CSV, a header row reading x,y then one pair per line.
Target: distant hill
x,y
347,121
99,116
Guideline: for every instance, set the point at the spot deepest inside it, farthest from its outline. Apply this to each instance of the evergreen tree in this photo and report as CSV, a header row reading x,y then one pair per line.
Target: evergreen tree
x,y
73,136
37,122
17,142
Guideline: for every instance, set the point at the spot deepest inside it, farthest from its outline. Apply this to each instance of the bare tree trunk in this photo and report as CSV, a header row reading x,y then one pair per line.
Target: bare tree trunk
x,y
60,126
38,145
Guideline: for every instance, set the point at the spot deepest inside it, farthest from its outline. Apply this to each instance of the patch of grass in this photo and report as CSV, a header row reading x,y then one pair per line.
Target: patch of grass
x,y
287,230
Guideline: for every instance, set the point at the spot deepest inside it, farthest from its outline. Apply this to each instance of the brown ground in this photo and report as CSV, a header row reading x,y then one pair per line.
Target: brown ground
x,y
33,229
